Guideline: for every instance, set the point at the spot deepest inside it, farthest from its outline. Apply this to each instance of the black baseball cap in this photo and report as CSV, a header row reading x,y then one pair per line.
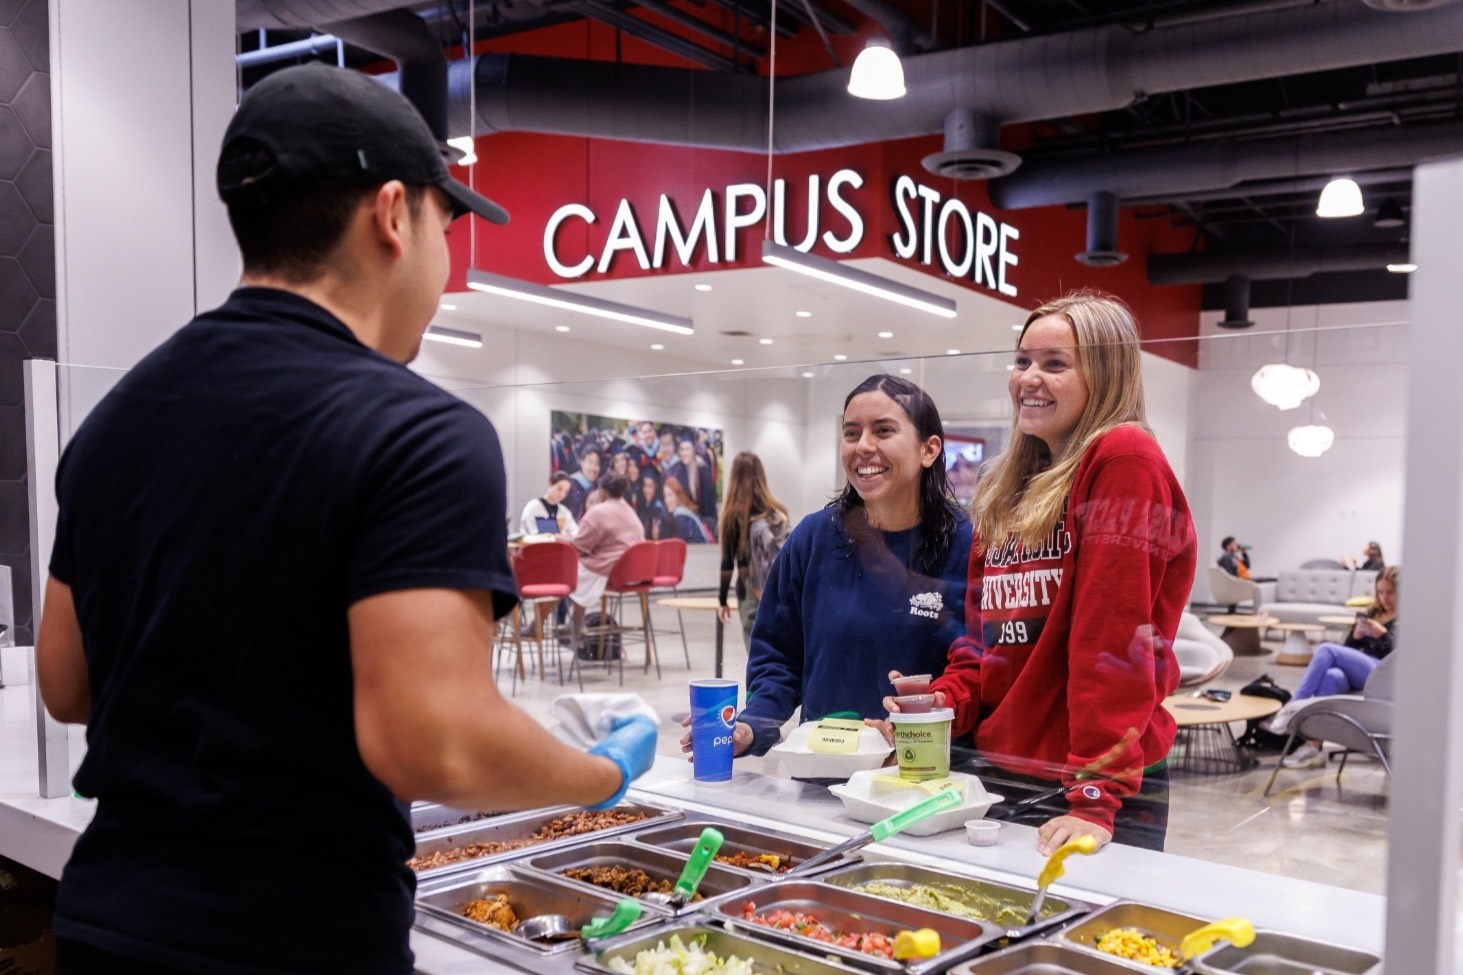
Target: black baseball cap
x,y
316,126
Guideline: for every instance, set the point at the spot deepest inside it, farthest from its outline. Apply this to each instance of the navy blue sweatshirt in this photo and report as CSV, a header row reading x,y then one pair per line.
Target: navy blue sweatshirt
x,y
834,620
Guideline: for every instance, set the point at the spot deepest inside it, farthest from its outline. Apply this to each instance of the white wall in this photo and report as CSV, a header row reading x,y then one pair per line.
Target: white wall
x,y
1243,478
141,93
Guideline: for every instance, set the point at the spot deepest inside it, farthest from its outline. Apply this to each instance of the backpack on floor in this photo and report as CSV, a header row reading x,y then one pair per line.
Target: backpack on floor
x,y
1257,738
594,641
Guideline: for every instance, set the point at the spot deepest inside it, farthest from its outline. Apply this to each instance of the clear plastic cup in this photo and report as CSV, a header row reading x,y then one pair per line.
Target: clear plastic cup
x,y
912,684
982,832
915,703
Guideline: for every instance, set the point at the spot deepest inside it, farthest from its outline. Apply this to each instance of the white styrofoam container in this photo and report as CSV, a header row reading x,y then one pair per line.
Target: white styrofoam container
x,y
861,803
802,762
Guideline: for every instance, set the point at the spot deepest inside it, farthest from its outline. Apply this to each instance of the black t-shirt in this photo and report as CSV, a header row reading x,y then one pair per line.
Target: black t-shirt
x,y
220,510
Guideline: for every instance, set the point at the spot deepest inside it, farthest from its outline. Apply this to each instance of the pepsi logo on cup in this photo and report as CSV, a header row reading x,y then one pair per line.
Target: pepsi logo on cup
x,y
728,715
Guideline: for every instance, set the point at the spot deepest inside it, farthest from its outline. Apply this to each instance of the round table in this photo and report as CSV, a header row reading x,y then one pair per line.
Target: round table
x,y
702,604
1206,744
1242,631
1337,623
1297,649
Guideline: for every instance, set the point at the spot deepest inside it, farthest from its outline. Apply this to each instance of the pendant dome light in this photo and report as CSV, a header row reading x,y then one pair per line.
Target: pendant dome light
x,y
1310,440
1340,198
877,73
1284,386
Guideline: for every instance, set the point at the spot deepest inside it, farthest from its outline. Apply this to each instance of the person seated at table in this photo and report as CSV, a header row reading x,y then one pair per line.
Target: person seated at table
x,y
873,581
1236,558
1371,559
549,515
1344,668
607,529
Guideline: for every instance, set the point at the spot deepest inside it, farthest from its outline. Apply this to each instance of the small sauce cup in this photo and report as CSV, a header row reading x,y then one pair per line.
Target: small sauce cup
x,y
912,684
915,703
982,832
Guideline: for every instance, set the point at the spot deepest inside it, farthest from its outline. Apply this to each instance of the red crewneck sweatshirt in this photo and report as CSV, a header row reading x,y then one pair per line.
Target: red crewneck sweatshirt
x,y
1070,644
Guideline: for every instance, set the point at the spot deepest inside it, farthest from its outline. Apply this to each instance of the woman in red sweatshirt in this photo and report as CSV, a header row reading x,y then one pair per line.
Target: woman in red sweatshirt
x,y
1083,559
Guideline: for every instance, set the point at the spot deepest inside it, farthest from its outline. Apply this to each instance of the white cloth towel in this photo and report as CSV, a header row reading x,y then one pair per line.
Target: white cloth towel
x,y
586,718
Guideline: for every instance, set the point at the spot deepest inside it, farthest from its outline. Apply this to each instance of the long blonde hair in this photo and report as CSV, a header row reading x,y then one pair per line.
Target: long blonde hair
x,y
1024,490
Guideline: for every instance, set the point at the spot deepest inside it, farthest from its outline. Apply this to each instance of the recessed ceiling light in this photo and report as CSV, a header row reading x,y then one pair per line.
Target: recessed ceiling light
x,y
1017,328
1402,268
840,358
703,287
446,307
737,362
1010,367
803,314
905,372
561,328
807,375
764,341
656,347
952,351
886,335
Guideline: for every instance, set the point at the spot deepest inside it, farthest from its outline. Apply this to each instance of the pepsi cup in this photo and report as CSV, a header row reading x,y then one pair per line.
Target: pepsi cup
x,y
713,717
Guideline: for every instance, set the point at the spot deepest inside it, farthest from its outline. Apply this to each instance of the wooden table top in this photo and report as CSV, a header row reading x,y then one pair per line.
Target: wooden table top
x,y
1240,620
1337,620
1299,627
695,602
1189,711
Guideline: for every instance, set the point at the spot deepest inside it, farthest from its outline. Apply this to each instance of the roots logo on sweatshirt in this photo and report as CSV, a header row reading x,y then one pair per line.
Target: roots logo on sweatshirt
x,y
926,604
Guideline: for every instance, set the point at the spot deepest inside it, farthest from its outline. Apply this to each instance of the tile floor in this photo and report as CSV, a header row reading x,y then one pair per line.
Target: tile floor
x,y
1308,828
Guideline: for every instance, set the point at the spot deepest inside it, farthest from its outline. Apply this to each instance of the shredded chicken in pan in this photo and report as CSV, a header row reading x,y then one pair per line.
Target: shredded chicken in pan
x,y
495,913
573,824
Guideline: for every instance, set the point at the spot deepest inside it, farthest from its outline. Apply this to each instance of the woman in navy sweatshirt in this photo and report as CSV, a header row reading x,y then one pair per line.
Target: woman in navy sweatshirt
x,y
873,581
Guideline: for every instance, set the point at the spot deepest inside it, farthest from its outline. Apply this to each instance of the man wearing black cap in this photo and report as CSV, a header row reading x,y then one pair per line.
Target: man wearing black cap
x,y
278,562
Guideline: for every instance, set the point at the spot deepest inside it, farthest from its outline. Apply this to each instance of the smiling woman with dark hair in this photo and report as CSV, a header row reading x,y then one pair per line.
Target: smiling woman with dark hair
x,y
874,581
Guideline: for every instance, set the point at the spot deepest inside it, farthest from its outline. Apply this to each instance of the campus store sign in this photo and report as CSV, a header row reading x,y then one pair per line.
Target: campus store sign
x,y
900,211
703,210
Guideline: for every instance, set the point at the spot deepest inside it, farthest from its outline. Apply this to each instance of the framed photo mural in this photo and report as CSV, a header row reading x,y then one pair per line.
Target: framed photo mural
x,y
674,470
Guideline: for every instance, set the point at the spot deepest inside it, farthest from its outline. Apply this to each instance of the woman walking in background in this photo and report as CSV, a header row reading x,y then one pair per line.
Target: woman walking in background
x,y
753,526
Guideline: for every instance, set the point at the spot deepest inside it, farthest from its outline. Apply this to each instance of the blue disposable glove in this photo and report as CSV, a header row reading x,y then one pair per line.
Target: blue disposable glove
x,y
631,746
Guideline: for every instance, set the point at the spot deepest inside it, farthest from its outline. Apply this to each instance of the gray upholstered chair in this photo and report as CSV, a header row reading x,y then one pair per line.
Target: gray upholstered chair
x,y
1356,722
1228,590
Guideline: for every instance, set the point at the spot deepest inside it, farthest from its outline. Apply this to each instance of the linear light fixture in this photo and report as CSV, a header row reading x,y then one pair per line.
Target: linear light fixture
x,y
833,272
500,284
454,336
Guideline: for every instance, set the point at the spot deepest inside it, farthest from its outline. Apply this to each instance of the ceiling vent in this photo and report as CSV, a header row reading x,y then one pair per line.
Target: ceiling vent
x,y
969,149
1236,302
738,333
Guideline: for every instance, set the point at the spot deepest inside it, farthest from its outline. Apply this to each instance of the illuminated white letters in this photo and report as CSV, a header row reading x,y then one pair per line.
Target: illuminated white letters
x,y
551,231
967,245
703,224
735,221
624,235
931,229
842,178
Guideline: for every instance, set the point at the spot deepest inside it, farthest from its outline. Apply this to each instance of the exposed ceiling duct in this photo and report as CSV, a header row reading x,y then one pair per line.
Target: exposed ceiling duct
x,y
1045,76
270,14
1215,166
1102,232
1212,268
1236,302
405,38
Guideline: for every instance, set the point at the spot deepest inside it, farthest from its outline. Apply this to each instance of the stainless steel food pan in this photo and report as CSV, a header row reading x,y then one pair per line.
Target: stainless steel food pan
x,y
1000,904
681,839
1168,928
844,910
1273,953
440,902
429,817
1042,958
510,837
766,959
658,864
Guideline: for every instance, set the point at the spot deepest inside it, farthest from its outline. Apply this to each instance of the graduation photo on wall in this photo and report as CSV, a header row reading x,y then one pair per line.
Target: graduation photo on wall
x,y
674,470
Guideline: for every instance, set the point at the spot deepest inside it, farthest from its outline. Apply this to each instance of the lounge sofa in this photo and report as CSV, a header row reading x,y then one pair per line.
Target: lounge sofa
x,y
1303,595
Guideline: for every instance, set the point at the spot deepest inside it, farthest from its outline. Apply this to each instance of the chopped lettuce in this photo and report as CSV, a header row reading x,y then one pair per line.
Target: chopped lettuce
x,y
678,958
